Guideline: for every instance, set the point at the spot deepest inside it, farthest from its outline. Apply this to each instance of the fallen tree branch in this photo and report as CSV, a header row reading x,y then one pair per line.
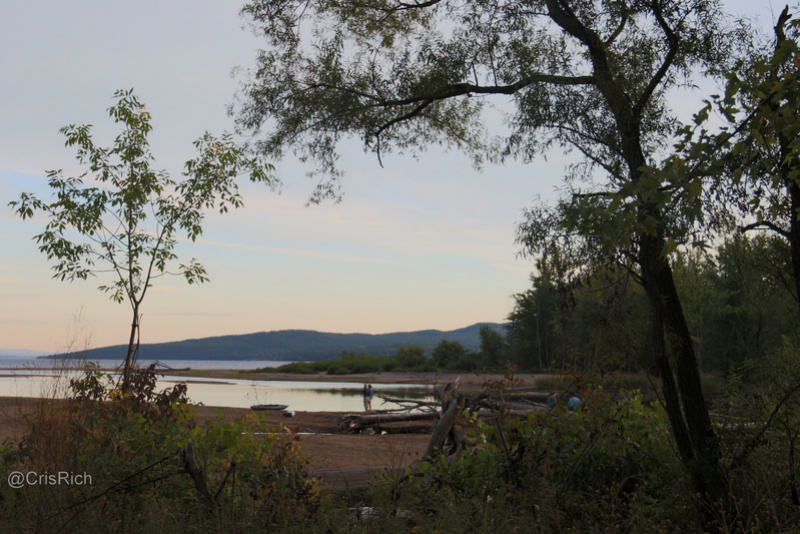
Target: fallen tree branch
x,y
358,422
409,404
445,437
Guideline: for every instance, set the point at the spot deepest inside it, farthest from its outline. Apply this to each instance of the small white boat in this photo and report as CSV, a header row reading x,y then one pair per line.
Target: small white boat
x,y
264,407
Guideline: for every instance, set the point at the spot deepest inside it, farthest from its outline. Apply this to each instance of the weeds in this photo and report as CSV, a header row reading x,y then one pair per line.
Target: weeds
x,y
148,466
609,467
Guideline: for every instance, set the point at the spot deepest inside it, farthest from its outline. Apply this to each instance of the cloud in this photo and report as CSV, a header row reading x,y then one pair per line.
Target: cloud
x,y
193,314
516,268
292,252
15,296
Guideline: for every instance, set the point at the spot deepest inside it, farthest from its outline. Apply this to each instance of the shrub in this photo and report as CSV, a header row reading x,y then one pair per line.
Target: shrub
x,y
609,469
152,467
304,368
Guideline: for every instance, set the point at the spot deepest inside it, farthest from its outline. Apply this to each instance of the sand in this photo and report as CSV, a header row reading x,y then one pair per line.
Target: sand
x,y
345,462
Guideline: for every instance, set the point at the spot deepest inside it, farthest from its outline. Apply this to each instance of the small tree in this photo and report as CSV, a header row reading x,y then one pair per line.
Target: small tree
x,y
447,353
409,357
126,218
493,345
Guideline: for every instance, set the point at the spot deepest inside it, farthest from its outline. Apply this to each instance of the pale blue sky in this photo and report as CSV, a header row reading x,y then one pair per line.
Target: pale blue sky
x,y
414,245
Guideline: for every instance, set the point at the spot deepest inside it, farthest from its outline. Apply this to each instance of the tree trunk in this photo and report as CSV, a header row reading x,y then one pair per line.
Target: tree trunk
x,y
683,396
785,170
130,357
794,233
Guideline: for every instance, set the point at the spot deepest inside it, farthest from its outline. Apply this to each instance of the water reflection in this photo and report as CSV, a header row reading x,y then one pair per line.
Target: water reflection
x,y
300,396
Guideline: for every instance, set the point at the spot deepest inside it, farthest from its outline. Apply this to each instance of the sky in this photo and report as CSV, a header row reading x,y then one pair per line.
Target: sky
x,y
415,244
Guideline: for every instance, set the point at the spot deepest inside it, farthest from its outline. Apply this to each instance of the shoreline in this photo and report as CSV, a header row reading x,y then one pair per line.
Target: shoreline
x,y
472,381
345,462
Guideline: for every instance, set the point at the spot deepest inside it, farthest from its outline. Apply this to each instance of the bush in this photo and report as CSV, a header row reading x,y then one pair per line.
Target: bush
x,y
609,469
304,368
337,369
152,468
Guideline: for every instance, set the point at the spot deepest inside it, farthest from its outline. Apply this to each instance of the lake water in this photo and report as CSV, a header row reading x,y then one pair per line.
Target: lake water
x,y
15,363
29,379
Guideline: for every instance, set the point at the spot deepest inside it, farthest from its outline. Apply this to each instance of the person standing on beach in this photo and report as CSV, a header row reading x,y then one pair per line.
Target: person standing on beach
x,y
367,399
369,394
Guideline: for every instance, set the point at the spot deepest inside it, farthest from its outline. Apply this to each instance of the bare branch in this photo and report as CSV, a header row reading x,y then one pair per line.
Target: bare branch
x,y
617,31
674,44
764,224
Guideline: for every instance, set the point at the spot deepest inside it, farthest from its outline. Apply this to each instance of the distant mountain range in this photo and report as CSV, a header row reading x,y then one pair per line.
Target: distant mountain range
x,y
20,353
290,345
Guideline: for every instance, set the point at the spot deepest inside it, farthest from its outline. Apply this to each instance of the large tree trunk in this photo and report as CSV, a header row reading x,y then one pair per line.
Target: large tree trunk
x,y
793,192
675,359
794,233
785,170
674,353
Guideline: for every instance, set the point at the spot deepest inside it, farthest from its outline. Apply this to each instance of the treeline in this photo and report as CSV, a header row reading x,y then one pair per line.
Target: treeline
x,y
407,359
448,355
737,298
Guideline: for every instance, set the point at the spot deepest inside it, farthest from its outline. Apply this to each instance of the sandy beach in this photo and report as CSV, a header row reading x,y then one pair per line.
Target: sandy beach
x,y
344,461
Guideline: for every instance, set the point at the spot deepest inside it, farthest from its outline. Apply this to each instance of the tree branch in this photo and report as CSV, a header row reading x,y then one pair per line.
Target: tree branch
x,y
674,45
460,89
764,224
617,32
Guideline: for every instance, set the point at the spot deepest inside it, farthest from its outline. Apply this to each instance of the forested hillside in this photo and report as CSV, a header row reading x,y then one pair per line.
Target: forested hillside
x,y
289,345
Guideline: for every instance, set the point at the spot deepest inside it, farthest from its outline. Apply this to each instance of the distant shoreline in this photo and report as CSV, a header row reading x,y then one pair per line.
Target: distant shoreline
x,y
469,380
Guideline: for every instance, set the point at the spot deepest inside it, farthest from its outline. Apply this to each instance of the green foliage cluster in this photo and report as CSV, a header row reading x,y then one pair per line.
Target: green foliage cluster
x,y
122,218
493,355
737,300
607,466
407,359
152,467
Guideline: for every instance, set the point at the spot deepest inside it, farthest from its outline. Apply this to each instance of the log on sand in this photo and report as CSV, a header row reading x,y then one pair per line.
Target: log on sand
x,y
352,423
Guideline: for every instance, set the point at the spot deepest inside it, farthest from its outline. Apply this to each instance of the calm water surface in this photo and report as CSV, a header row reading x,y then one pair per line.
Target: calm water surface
x,y
33,363
28,379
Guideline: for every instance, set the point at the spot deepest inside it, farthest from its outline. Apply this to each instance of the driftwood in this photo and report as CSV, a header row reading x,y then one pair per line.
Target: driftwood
x,y
446,437
376,421
453,406
531,397
352,423
408,404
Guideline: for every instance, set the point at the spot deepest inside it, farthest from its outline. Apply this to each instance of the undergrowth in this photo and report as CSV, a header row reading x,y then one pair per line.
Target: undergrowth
x,y
607,466
134,459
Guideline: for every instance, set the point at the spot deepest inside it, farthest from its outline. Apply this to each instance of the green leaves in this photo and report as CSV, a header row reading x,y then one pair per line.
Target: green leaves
x,y
129,219
122,216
